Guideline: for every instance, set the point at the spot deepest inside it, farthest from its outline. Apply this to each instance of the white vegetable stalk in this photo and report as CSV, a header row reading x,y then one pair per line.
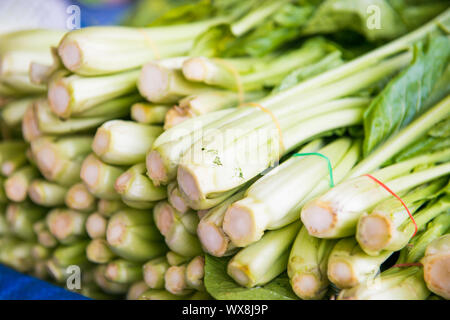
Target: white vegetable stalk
x,y
220,177
19,61
335,214
59,158
175,259
16,186
154,271
265,205
100,177
100,50
349,265
70,95
175,280
175,199
96,226
195,272
159,84
307,265
79,198
133,185
436,264
13,112
266,72
30,125
122,142
136,290
163,158
401,284
18,50
149,113
208,169
196,105
132,235
50,123
47,194
388,226
264,260
210,232
20,85
68,226
40,73
98,251
178,229
108,207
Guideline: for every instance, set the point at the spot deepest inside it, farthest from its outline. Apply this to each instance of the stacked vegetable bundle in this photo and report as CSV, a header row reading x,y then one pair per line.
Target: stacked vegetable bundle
x,y
195,160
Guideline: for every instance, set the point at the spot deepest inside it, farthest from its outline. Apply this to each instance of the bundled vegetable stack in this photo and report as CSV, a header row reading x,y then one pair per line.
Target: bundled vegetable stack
x,y
253,148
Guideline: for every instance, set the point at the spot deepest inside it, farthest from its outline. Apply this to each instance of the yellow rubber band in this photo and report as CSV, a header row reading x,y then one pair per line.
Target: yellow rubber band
x,y
274,119
236,75
152,44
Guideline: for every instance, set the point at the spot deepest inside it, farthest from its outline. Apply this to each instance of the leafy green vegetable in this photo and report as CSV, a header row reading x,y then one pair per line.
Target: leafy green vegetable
x,y
332,60
436,139
222,287
403,98
375,19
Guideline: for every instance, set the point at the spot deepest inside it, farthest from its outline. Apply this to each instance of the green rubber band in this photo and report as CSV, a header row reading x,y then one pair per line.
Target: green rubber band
x,y
330,168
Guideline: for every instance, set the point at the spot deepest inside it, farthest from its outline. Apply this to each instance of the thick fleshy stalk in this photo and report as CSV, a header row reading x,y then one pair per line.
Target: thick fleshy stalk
x,y
73,254
163,158
436,264
159,84
30,125
106,285
59,158
195,272
13,112
307,265
149,113
100,177
175,280
136,290
335,214
122,142
108,207
349,265
96,225
21,218
122,271
133,235
79,198
71,95
265,205
175,259
262,261
210,232
134,185
49,123
68,226
154,271
100,50
175,199
98,251
179,230
47,194
388,226
16,186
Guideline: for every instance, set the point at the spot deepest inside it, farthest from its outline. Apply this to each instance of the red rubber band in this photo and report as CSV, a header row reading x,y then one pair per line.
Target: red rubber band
x,y
399,199
403,265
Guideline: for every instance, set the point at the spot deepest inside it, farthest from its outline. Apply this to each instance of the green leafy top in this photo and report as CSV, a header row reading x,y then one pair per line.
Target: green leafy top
x,y
404,97
222,287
